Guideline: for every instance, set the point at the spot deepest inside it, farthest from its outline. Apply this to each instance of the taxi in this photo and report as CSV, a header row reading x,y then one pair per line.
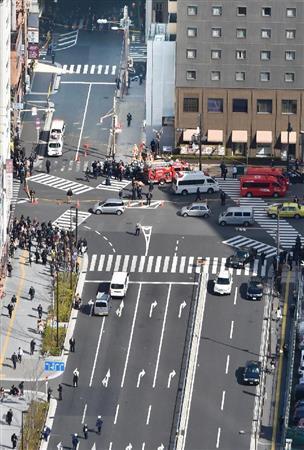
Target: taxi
x,y
286,209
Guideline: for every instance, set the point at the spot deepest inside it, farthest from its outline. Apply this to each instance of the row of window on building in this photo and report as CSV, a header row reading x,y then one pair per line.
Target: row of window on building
x,y
241,11
265,55
239,105
215,75
241,33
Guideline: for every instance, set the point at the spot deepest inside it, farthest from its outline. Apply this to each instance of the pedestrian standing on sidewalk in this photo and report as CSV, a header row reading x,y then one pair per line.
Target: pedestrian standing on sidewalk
x,y
14,440
75,377
59,392
48,166
10,308
31,293
222,167
21,388
20,354
32,346
234,172
129,119
49,394
225,173
9,416
40,311
278,314
87,174
72,343
14,300
14,359
9,269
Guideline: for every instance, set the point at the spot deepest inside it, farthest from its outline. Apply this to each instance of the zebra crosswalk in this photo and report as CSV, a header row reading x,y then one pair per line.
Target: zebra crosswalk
x,y
16,189
60,183
138,52
67,220
242,241
116,185
89,69
287,232
166,264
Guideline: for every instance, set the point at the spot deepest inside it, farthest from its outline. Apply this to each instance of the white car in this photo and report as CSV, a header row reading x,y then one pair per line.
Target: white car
x,y
223,282
55,147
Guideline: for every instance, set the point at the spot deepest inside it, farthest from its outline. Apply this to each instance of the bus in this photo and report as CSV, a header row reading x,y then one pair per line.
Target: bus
x,y
185,183
261,186
272,171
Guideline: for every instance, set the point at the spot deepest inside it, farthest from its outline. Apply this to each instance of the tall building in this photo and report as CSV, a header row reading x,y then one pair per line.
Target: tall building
x,y
239,68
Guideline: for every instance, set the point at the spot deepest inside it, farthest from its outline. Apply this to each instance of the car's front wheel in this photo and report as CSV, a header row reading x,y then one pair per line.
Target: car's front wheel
x,y
118,212
210,191
185,214
98,212
223,223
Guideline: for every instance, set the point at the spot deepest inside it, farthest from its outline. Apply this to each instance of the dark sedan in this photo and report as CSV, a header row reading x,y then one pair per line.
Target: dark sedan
x,y
252,373
255,289
239,258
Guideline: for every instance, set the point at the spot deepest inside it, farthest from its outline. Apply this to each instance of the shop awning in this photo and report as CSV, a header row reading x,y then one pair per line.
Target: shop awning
x,y
264,137
239,136
292,137
215,136
187,134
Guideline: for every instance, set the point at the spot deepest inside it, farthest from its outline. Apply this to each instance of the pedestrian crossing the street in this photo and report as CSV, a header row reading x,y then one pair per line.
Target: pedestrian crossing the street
x,y
89,69
67,220
166,264
287,233
115,186
242,241
60,183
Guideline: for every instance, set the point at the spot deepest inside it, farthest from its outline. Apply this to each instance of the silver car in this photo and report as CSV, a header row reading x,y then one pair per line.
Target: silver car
x,y
196,209
110,206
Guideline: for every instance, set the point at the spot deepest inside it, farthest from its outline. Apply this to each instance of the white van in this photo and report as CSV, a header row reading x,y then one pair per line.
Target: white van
x,y
119,284
238,215
57,129
102,305
187,183
55,144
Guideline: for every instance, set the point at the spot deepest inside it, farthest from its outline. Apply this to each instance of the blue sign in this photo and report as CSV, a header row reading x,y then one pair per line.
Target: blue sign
x,y
54,366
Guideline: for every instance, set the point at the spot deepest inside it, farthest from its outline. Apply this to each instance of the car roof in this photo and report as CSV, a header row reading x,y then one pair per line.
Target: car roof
x,y
197,204
102,294
290,204
119,277
253,363
114,200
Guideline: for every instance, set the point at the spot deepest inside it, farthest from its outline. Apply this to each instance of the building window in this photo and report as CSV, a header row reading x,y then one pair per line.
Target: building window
x,y
192,10
289,106
215,105
265,33
240,105
216,54
239,76
216,32
289,77
190,104
264,106
192,32
290,34
264,76
266,11
290,55
217,10
241,11
215,75
291,12
191,75
240,54
241,33
191,53
265,55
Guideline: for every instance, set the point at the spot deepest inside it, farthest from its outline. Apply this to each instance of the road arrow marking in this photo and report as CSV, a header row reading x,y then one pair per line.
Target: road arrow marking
x,y
161,447
129,447
120,308
153,305
181,307
140,375
93,447
171,375
105,381
147,230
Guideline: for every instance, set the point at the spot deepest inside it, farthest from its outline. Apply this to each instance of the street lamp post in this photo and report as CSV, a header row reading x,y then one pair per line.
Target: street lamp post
x,y
289,130
57,309
278,236
200,140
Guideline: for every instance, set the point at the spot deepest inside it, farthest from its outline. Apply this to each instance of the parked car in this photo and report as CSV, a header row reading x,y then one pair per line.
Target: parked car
x,y
196,210
252,373
240,257
110,206
223,282
255,289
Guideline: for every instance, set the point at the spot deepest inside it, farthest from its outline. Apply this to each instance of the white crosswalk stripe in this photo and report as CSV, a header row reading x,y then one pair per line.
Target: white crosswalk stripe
x,y
67,221
288,233
166,264
116,185
60,183
16,189
242,241
141,204
87,69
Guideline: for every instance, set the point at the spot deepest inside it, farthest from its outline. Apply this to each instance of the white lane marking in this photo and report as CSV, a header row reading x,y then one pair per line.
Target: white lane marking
x,y
78,69
109,263
131,337
218,437
166,264
99,69
143,446
133,264
183,283
83,120
231,329
182,264
141,374
125,263
247,269
97,232
117,263
71,68
170,377
162,335
97,351
93,262
106,70
223,400
227,364
142,263
235,295
255,267
85,68
150,264
190,264
110,446
84,413
113,70
174,264
92,70
116,414
158,263
148,415
64,69
214,265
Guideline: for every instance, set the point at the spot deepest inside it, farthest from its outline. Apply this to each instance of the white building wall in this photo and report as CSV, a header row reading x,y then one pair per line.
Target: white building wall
x,y
160,81
5,69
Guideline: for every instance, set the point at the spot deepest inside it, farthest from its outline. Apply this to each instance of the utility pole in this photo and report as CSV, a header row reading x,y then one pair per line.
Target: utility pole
x,y
200,140
114,119
289,130
125,23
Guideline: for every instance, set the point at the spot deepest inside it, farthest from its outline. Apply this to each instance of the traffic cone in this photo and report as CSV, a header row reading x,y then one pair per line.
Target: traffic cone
x,y
162,203
77,158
